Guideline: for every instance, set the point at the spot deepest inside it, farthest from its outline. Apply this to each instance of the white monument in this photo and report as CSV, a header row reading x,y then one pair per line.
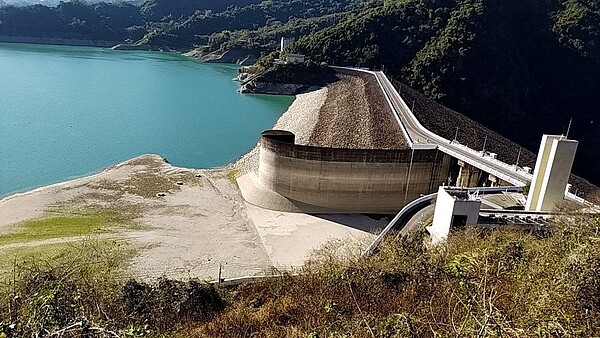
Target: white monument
x,y
285,43
551,174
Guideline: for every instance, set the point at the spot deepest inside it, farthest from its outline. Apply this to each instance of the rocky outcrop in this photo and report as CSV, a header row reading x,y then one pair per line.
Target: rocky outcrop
x,y
254,87
236,56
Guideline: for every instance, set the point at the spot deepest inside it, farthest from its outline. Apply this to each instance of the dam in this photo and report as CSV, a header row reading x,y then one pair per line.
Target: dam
x,y
310,179
320,177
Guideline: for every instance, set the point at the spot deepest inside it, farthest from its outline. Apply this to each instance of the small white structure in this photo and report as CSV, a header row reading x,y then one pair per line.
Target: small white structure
x,y
551,174
285,43
294,58
454,208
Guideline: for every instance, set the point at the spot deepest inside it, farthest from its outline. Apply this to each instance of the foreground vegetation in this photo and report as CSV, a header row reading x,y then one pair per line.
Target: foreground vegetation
x,y
507,282
81,292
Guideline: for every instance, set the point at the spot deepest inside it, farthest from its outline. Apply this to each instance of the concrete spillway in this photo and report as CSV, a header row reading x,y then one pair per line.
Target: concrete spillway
x,y
294,177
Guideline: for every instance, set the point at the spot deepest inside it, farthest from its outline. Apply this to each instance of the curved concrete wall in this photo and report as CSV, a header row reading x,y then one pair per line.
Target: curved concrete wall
x,y
347,180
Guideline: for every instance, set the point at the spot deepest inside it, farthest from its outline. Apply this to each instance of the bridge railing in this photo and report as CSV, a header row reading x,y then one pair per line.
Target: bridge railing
x,y
497,162
394,222
482,166
441,141
393,108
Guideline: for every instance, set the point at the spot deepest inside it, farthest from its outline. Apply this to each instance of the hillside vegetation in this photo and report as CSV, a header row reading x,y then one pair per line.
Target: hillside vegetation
x,y
522,68
175,24
486,283
73,20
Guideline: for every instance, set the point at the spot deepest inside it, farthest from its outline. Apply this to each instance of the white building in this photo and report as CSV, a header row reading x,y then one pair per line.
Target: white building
x,y
294,58
551,174
454,208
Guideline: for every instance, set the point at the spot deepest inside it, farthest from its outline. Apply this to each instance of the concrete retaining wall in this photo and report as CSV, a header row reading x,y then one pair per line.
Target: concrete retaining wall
x,y
347,180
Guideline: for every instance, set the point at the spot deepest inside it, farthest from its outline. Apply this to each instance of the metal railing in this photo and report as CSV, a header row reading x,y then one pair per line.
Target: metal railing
x,y
394,223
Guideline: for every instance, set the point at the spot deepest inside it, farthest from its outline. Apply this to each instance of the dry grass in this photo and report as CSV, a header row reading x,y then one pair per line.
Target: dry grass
x,y
482,283
82,291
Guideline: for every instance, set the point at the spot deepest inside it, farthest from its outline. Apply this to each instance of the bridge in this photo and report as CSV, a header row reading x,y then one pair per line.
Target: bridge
x,y
418,137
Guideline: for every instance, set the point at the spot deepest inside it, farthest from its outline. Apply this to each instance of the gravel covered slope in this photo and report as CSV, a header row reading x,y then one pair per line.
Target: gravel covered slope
x,y
355,115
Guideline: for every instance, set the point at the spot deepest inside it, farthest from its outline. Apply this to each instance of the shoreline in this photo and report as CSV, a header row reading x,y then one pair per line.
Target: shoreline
x,y
57,41
200,222
79,179
301,110
113,45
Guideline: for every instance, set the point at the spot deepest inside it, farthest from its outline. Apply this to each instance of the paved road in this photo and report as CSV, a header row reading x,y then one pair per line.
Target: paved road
x,y
419,138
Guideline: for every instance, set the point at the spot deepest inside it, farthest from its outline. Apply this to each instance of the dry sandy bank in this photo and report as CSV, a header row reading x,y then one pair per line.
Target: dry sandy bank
x,y
202,222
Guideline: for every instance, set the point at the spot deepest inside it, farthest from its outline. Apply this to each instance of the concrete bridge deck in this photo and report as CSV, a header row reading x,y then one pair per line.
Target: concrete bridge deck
x,y
419,137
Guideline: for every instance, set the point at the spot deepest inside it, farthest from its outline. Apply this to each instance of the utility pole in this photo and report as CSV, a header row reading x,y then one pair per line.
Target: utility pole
x,y
569,128
412,154
518,157
484,142
456,134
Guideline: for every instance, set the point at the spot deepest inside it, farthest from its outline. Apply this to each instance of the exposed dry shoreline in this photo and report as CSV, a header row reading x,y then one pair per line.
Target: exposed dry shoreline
x,y
202,222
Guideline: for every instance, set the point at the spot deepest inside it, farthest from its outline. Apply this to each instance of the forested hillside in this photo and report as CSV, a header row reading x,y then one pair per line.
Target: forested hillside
x,y
522,68
192,31
72,20
155,10
174,24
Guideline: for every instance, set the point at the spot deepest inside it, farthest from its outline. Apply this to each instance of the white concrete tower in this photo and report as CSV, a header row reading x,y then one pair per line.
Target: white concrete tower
x,y
454,208
551,174
285,43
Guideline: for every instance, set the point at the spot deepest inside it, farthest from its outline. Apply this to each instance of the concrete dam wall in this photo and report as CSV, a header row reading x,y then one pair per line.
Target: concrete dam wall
x,y
295,177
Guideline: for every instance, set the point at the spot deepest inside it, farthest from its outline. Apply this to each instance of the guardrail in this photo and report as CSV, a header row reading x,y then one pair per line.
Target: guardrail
x,y
511,167
400,220
441,141
410,207
396,114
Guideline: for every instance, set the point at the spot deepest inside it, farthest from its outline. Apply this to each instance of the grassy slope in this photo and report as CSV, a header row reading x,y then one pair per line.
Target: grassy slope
x,y
482,283
62,227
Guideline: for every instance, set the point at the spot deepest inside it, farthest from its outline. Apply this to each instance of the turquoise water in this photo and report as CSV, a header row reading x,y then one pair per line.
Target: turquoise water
x,y
67,112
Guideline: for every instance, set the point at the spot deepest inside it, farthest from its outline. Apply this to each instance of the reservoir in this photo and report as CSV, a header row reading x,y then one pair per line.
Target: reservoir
x,y
67,112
